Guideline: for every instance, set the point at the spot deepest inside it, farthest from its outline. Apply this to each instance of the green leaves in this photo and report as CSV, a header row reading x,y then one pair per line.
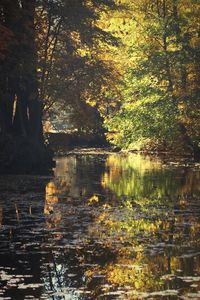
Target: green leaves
x,y
160,80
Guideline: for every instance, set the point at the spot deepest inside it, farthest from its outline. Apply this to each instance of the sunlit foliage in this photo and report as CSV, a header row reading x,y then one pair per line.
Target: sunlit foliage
x,y
161,95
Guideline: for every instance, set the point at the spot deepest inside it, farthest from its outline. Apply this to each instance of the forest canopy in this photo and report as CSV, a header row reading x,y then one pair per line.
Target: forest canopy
x,y
130,67
159,107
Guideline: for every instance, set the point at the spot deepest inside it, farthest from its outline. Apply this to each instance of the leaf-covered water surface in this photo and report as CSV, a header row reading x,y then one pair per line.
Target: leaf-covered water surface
x,y
106,226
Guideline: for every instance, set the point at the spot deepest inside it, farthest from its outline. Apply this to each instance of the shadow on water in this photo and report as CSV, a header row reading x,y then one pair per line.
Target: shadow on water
x,y
104,227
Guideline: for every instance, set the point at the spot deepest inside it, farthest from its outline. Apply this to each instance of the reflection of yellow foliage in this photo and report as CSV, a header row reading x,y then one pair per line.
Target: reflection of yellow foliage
x,y
51,191
135,161
142,273
50,198
142,177
132,266
106,206
102,217
126,173
133,273
92,200
128,223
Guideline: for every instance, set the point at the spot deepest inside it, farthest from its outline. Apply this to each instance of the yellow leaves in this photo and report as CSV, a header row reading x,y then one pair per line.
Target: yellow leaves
x,y
131,272
93,200
102,217
91,101
51,191
129,204
89,273
106,206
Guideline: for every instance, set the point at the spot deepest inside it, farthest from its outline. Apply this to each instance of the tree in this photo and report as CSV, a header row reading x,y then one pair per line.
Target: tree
x,y
22,145
73,72
161,81
51,57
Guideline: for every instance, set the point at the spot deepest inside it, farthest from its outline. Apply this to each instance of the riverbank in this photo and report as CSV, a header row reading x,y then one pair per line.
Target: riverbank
x,y
166,157
67,143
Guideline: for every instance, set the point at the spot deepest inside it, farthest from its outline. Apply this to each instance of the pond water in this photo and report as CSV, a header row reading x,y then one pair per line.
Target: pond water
x,y
106,226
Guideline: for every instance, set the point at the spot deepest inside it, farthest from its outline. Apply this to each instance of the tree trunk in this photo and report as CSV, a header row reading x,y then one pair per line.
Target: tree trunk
x,y
24,149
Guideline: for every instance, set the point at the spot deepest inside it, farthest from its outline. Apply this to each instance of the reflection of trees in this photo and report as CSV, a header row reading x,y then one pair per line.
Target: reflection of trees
x,y
191,182
149,243
50,197
89,247
78,176
127,246
75,271
137,176
76,183
54,276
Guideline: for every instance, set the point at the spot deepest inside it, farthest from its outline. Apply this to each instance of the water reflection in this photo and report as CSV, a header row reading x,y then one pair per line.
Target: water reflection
x,y
139,176
105,227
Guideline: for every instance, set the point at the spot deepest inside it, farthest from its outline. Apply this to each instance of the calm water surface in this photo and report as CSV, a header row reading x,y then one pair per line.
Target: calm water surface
x,y
104,227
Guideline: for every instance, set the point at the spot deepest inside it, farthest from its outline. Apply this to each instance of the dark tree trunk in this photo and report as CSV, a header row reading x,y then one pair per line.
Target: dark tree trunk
x,y
20,107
